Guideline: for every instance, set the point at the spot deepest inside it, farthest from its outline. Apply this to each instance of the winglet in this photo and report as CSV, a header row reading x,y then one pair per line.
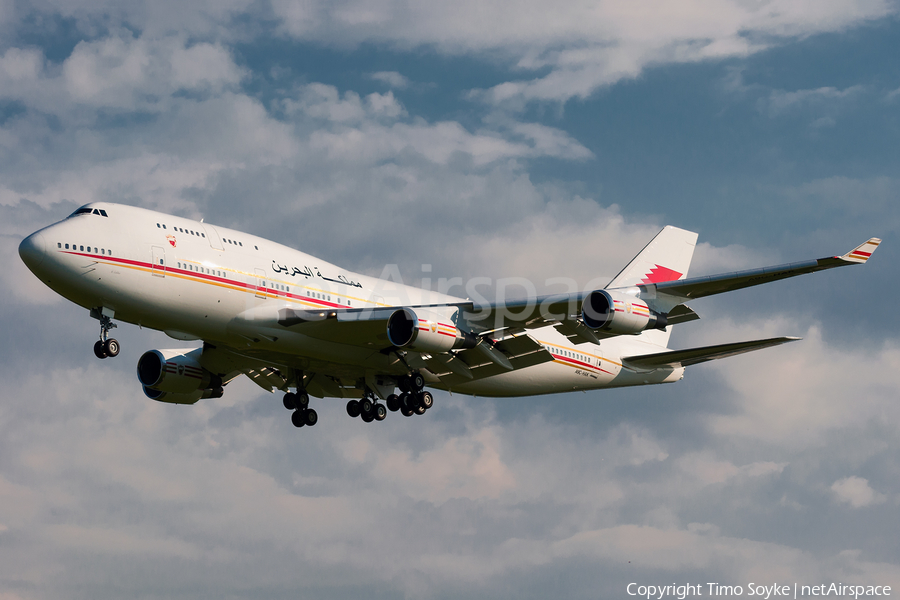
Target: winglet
x,y
861,253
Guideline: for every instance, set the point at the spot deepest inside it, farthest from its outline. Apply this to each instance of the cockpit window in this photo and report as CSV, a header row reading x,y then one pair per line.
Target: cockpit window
x,y
84,210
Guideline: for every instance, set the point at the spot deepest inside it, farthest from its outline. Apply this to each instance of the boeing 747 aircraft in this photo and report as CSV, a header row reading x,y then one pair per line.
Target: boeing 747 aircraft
x,y
294,323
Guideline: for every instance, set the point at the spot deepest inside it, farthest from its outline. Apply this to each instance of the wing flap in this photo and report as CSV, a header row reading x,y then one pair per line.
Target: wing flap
x,y
693,356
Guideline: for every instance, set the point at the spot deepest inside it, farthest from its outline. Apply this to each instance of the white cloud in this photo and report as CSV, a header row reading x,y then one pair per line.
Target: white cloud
x,y
780,102
118,72
391,78
585,45
856,492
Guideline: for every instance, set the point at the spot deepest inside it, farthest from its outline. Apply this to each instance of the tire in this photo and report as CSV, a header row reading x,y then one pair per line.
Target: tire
x,y
426,400
111,347
380,412
393,402
365,406
420,410
403,384
310,417
368,417
289,401
407,401
302,399
353,408
406,412
99,352
417,382
297,418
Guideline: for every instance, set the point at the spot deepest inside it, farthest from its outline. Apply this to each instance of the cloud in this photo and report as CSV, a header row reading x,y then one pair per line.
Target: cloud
x,y
118,72
780,102
391,78
856,492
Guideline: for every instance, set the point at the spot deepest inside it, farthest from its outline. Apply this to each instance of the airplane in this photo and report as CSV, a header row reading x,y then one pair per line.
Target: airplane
x,y
294,323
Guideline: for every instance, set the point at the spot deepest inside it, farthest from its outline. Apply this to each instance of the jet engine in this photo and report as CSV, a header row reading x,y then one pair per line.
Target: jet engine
x,y
176,377
617,313
425,331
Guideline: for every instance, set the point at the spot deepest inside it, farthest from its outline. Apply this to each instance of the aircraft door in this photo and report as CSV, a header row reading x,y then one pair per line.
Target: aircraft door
x,y
158,261
260,283
213,236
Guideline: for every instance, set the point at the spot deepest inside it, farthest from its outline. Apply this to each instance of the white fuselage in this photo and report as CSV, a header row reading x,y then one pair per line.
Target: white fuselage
x,y
196,281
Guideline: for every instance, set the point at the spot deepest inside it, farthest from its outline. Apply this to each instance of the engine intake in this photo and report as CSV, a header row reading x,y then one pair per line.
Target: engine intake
x,y
619,314
166,374
426,331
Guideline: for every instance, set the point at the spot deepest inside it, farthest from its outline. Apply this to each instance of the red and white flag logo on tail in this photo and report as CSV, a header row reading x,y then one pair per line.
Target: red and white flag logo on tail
x,y
658,274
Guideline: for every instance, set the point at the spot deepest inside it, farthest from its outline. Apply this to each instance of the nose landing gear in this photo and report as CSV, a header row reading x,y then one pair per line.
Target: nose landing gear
x,y
105,346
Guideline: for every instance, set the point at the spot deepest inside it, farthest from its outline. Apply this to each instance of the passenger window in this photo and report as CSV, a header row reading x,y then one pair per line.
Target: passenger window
x,y
58,245
67,246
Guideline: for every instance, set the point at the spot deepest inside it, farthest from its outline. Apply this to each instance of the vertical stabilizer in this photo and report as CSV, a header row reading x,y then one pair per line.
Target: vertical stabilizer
x,y
666,258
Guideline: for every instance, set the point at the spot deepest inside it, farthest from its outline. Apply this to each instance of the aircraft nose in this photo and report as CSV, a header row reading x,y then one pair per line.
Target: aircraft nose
x,y
33,249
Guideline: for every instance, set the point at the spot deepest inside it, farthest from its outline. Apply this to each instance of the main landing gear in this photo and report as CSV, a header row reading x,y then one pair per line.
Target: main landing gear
x,y
106,346
413,400
299,403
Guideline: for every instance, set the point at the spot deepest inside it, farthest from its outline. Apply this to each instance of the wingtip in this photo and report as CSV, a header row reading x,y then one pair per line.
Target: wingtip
x,y
863,252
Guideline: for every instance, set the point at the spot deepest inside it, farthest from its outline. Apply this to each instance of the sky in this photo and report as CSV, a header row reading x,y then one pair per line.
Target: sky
x,y
503,139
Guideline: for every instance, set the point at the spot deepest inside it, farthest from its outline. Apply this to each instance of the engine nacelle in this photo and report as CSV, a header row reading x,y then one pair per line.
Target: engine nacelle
x,y
617,313
191,398
166,374
426,331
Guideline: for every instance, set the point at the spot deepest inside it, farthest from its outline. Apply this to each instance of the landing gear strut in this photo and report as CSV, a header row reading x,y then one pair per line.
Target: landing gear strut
x,y
106,346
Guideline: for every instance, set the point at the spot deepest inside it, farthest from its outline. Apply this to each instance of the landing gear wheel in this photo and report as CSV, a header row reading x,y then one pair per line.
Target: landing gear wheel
x,y
420,410
406,412
290,401
368,417
111,347
302,399
393,402
407,401
99,352
417,381
403,384
426,400
310,416
297,418
380,412
353,408
365,406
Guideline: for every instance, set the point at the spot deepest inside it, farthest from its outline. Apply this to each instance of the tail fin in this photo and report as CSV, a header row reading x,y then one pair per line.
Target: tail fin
x,y
666,258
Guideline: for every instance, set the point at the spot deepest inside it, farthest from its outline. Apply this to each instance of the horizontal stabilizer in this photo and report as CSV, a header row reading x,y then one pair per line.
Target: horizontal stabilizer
x,y
693,356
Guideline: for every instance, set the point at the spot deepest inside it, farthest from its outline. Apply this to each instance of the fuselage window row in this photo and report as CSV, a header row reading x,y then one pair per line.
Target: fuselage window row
x,y
96,250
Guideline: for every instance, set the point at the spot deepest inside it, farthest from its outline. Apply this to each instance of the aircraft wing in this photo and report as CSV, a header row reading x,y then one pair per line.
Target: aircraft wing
x,y
693,356
665,295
